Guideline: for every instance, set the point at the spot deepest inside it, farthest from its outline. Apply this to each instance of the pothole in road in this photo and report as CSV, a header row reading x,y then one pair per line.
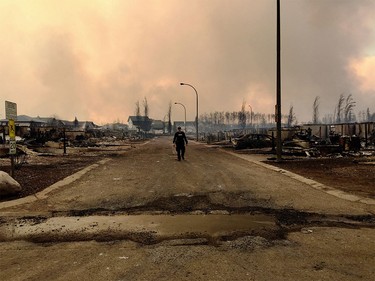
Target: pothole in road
x,y
196,227
193,219
146,229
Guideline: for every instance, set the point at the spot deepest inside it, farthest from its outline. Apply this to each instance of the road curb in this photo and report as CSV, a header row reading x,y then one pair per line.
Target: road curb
x,y
314,184
44,193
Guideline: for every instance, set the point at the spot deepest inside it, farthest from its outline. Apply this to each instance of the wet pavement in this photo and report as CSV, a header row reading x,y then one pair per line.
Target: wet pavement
x,y
146,229
145,216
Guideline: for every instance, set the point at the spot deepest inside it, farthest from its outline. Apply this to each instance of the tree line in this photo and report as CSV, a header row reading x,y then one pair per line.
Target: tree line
x,y
343,112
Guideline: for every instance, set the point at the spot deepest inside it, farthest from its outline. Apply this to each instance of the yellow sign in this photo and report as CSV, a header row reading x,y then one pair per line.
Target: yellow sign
x,y
12,129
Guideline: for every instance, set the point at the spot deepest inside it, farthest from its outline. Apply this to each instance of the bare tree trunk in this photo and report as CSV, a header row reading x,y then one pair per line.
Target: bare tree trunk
x,y
242,116
137,109
350,104
316,110
169,115
146,107
291,117
340,108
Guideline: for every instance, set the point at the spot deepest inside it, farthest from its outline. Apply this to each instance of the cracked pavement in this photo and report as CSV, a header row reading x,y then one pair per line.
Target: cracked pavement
x,y
215,216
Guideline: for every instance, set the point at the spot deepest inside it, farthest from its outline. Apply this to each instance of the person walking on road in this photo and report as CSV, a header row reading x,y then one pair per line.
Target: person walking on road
x,y
179,141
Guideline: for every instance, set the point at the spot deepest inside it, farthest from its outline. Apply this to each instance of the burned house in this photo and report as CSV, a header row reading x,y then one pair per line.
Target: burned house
x,y
157,127
139,124
48,128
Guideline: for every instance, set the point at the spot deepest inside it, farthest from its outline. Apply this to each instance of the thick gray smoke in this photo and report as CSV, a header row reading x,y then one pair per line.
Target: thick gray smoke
x,y
96,60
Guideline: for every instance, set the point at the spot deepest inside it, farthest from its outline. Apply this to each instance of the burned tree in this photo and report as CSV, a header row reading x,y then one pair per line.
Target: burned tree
x,y
291,117
242,116
137,109
169,116
348,111
368,115
146,107
339,109
227,117
234,116
316,104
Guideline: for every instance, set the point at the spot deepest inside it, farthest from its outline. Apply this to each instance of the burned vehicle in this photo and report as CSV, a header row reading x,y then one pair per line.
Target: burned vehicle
x,y
252,141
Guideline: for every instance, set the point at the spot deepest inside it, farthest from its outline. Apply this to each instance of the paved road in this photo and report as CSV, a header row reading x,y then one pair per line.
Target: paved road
x,y
215,216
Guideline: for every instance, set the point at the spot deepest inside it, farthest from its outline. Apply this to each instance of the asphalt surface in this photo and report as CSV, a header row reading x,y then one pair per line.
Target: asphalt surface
x,y
215,216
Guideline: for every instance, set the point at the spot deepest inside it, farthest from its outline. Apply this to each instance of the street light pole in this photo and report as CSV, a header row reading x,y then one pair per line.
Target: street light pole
x,y
196,117
185,112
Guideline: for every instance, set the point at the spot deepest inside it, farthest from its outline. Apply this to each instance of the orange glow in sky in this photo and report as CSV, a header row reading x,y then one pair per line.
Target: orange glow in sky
x,y
95,59
365,69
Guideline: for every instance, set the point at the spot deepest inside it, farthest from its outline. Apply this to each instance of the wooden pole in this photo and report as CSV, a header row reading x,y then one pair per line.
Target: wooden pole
x,y
12,166
278,86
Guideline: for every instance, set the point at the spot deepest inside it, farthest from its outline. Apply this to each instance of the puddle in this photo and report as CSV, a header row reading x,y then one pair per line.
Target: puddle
x,y
213,225
140,228
195,227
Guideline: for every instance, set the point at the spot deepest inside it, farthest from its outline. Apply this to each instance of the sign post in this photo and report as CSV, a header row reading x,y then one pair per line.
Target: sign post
x,y
11,115
12,137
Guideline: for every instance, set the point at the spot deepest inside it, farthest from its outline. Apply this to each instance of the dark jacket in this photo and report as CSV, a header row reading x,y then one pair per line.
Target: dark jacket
x,y
180,138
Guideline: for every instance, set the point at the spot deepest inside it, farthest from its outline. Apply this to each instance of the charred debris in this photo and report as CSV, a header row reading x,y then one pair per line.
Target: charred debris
x,y
354,139
53,137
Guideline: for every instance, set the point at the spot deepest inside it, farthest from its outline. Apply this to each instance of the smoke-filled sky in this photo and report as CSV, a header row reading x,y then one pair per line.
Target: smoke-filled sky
x,y
94,59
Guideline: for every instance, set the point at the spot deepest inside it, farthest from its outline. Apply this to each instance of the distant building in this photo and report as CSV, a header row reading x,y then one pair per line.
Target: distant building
x,y
190,126
157,127
116,126
139,123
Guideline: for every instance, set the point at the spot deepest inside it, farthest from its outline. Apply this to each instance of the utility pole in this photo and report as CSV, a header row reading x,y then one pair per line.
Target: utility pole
x,y
278,86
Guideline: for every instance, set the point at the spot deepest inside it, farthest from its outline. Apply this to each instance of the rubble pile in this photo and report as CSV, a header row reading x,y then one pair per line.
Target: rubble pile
x,y
304,144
